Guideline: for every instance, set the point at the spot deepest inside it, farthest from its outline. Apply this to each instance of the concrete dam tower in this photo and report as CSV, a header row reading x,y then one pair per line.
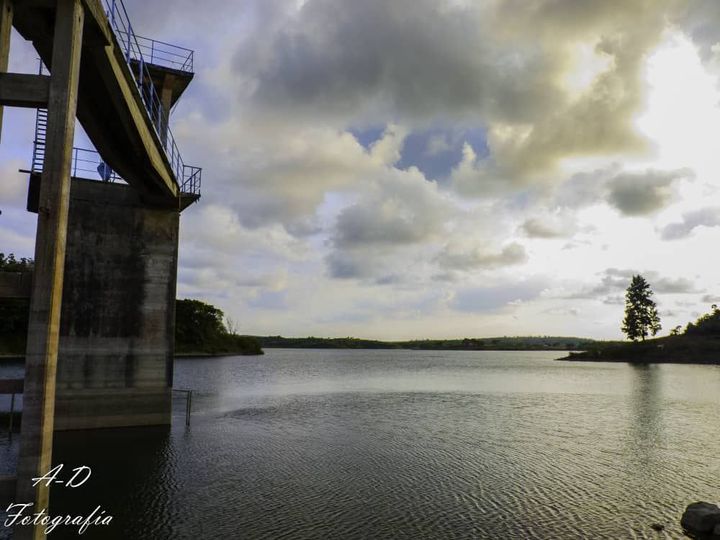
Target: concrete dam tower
x,y
102,310
117,321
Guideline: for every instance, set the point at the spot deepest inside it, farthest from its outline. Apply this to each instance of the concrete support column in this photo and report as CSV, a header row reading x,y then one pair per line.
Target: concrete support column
x,y
6,17
41,357
166,95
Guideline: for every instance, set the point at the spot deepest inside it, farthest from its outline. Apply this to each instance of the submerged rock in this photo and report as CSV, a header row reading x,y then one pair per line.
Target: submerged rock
x,y
657,527
701,518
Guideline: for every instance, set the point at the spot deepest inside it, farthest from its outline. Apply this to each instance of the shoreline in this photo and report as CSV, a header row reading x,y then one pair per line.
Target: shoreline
x,y
185,355
214,355
698,362
573,357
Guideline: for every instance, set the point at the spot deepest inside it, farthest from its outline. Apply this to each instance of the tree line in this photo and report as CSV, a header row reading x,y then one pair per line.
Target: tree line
x,y
642,319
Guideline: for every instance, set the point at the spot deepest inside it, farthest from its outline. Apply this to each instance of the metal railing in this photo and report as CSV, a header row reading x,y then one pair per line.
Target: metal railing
x,y
89,165
133,47
192,177
158,53
188,403
138,51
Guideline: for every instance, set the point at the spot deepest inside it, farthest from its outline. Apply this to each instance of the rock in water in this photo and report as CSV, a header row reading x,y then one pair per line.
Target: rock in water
x,y
657,527
701,517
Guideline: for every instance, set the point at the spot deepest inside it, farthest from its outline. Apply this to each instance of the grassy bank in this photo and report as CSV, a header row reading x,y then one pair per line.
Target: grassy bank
x,y
682,349
222,345
698,344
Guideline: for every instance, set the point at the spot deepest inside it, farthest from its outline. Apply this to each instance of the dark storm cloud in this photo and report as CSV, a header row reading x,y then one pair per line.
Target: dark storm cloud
x,y
413,58
632,193
639,194
497,65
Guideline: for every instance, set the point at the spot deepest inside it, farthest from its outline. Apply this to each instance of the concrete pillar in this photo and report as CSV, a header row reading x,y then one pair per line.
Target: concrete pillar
x,y
6,17
117,323
166,96
41,357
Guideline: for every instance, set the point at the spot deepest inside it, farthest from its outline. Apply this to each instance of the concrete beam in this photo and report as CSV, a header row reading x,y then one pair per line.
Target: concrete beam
x,y
23,90
166,95
35,455
6,20
95,12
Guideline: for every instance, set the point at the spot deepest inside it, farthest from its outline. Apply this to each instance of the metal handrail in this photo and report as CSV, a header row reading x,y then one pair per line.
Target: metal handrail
x,y
120,22
160,53
88,164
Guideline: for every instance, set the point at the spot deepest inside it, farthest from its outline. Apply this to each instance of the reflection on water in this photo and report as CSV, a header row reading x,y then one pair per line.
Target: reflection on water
x,y
401,444
646,415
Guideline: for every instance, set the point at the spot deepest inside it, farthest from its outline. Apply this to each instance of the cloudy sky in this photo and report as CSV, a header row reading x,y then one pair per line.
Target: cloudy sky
x,y
436,168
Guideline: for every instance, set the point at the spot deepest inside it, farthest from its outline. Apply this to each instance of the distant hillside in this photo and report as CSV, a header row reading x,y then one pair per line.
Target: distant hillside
x,y
699,344
543,343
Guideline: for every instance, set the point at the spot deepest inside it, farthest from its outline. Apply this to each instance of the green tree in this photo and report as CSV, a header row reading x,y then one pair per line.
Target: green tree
x,y
707,324
14,312
199,328
641,316
8,263
198,323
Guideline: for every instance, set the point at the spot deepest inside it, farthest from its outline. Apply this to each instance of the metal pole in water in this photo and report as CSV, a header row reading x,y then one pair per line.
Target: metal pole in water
x,y
12,414
189,407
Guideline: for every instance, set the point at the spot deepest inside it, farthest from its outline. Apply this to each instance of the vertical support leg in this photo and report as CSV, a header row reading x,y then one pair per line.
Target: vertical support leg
x,y
6,18
41,357
166,102
12,415
188,407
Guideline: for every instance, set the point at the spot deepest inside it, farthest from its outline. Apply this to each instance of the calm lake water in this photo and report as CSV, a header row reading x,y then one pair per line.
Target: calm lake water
x,y
405,444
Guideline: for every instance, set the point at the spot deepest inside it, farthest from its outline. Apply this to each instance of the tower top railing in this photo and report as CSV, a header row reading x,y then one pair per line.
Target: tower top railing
x,y
138,52
159,53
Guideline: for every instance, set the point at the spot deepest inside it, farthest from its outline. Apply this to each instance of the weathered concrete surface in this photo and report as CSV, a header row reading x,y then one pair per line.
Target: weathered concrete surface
x,y
118,312
23,90
35,452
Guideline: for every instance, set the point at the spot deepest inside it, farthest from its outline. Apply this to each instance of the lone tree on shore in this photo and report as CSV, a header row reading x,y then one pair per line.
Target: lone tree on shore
x,y
641,316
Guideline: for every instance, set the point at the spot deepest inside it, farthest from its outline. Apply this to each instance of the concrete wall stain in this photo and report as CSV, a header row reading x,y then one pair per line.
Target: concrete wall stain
x,y
118,314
